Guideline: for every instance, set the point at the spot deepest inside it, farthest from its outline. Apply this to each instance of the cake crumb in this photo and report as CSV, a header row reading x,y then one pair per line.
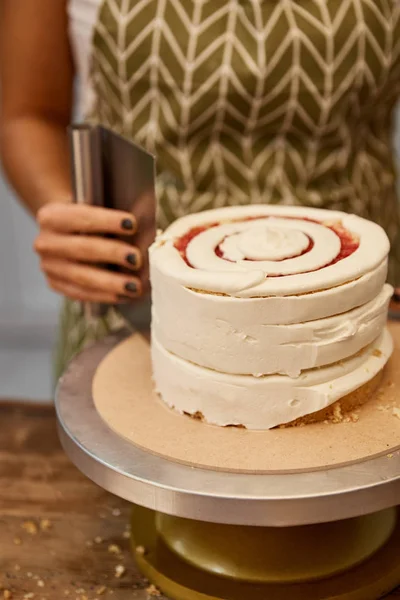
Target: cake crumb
x,y
377,353
29,596
101,590
17,541
114,549
89,543
30,527
198,416
17,568
40,583
337,416
116,512
396,412
140,550
354,417
127,533
386,407
119,571
7,595
390,456
153,591
45,524
98,539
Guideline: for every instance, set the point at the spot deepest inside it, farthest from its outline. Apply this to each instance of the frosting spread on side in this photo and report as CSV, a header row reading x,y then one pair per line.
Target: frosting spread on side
x,y
265,402
241,343
177,299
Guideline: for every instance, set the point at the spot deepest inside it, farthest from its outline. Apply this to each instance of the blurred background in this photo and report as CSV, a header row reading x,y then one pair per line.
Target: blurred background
x,y
28,310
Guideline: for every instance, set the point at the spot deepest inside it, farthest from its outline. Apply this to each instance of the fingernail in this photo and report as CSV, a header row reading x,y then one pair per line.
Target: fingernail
x,y
396,297
127,224
132,259
131,287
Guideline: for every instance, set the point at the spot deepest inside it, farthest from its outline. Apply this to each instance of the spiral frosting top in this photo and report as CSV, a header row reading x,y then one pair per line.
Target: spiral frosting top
x,y
261,250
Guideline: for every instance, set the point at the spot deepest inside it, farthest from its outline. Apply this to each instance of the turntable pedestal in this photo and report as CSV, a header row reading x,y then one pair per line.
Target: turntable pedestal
x,y
203,534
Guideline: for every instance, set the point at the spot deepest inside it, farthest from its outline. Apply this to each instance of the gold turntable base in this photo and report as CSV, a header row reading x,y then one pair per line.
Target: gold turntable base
x,y
354,559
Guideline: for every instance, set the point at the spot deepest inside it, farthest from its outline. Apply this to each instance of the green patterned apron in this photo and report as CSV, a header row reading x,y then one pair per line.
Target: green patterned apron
x,y
249,101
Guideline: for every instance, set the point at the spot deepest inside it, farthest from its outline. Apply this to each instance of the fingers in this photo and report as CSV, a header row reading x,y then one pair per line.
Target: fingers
x,y
77,218
69,260
87,249
92,279
76,292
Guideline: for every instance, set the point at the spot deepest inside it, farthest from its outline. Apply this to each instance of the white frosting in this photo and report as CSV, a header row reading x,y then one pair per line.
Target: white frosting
x,y
264,326
201,250
263,241
262,403
303,274
171,301
241,343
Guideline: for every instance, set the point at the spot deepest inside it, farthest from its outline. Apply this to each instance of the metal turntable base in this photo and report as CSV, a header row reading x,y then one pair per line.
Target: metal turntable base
x,y
242,500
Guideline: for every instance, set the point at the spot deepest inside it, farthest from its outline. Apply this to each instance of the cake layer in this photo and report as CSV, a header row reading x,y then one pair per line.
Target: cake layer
x,y
265,402
217,334
262,251
179,300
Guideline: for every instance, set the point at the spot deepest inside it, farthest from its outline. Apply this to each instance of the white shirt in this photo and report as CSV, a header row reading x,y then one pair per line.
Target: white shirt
x,y
83,15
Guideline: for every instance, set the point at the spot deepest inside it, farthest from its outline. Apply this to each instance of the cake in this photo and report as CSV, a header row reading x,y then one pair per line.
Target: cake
x,y
264,316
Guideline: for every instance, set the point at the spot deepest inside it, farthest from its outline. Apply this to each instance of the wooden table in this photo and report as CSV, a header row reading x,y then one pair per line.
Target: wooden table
x,y
61,536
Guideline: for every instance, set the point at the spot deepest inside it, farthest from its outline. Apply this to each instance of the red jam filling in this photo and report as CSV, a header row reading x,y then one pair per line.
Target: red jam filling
x,y
348,242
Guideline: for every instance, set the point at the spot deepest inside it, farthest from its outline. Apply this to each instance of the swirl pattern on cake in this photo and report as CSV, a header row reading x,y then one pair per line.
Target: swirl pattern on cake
x,y
212,250
262,292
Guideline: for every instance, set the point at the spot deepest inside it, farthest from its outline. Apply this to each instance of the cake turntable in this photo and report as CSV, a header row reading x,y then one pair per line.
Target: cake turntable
x,y
201,534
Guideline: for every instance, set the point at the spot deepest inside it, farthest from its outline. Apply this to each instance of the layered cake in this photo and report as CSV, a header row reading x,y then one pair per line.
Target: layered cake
x,y
269,315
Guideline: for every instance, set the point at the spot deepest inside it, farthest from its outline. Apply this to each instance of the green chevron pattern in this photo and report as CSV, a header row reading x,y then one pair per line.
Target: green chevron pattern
x,y
247,101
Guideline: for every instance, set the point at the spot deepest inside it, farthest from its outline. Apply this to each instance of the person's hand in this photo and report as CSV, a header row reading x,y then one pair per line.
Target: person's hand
x,y
71,249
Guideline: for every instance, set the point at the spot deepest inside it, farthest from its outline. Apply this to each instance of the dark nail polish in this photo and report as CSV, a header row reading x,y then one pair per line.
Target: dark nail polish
x,y
396,298
132,259
131,287
127,224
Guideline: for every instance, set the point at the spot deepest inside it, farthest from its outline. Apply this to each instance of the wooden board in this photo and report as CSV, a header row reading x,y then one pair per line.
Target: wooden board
x,y
124,395
39,484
